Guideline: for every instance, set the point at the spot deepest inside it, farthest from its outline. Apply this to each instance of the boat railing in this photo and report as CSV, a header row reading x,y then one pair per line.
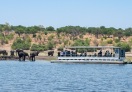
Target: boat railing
x,y
68,55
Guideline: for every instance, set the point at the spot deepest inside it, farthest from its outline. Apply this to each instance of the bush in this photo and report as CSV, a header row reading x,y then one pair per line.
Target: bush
x,y
124,46
21,44
6,41
34,35
39,47
45,33
10,36
50,37
50,45
60,48
79,42
109,41
117,40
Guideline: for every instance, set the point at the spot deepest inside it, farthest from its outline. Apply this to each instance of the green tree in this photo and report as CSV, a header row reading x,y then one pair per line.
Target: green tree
x,y
124,46
21,44
50,28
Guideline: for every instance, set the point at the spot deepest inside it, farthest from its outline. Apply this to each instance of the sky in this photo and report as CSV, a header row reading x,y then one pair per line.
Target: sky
x,y
60,13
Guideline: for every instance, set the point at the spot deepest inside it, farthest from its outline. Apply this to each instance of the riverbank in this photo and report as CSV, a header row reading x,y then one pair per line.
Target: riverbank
x,y
47,58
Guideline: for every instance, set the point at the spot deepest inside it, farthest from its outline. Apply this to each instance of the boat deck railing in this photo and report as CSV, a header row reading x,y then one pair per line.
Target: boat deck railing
x,y
86,55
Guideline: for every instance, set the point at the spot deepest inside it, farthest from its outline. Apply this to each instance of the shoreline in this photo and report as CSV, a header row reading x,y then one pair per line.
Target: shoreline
x,y
36,58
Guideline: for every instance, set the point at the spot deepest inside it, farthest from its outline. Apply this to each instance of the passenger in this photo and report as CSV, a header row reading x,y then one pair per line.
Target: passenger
x,y
58,53
68,53
61,53
105,54
71,53
64,53
111,55
81,54
76,53
100,53
108,53
85,54
95,54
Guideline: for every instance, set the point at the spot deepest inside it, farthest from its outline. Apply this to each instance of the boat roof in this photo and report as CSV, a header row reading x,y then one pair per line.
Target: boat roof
x,y
111,47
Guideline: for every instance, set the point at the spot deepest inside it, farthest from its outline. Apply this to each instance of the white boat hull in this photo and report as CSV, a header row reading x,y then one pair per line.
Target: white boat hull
x,y
88,62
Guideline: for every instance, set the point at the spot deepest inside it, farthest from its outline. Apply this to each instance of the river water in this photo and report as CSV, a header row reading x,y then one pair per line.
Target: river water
x,y
42,76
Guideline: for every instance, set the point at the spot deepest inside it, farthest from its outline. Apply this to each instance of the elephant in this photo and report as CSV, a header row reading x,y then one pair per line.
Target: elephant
x,y
50,53
22,55
17,51
33,54
3,52
12,53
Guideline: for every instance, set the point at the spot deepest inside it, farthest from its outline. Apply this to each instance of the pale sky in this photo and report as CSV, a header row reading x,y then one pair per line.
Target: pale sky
x,y
59,13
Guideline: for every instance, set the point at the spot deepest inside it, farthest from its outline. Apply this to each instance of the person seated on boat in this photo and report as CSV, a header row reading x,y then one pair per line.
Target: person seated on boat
x,y
71,53
68,53
81,54
85,54
111,55
64,53
95,54
108,54
61,53
105,54
100,53
76,53
58,53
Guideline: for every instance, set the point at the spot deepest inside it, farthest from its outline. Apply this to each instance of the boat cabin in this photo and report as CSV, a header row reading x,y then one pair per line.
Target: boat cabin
x,y
92,53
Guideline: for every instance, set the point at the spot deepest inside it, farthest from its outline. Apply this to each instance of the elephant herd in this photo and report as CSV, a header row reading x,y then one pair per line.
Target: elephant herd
x,y
20,53
23,55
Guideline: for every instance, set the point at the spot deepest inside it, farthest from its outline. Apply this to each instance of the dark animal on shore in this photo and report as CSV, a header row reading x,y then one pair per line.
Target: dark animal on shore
x,y
33,54
22,55
12,53
3,52
17,51
50,53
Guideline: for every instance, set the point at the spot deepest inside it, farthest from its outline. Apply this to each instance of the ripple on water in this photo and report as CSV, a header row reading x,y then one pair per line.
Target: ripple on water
x,y
43,76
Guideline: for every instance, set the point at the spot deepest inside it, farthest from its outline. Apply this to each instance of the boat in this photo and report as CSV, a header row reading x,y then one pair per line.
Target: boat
x,y
91,55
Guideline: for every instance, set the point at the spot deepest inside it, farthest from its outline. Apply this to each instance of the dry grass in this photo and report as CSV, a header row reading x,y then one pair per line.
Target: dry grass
x,y
129,58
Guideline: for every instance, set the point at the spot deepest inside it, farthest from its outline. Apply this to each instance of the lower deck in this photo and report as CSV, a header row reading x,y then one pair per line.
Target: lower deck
x,y
89,62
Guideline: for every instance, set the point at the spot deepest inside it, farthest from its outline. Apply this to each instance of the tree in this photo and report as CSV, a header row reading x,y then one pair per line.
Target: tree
x,y
50,28
21,44
20,30
124,46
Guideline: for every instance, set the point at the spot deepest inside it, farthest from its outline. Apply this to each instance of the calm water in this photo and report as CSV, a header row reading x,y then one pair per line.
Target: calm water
x,y
43,76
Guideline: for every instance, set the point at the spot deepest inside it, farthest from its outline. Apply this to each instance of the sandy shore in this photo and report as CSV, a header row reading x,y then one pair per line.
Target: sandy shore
x,y
37,58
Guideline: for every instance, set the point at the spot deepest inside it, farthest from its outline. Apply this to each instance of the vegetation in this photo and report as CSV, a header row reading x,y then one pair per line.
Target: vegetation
x,y
39,47
46,38
21,44
124,46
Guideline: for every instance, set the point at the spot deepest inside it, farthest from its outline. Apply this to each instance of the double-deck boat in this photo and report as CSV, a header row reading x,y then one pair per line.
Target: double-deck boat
x,y
91,54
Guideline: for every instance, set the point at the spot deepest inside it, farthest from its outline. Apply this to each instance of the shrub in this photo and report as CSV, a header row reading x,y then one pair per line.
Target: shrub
x,y
10,36
79,42
50,37
34,35
117,40
21,44
124,46
50,45
38,47
45,33
60,48
109,41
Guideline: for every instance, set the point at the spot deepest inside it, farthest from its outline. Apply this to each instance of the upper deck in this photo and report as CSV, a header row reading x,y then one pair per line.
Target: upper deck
x,y
98,52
